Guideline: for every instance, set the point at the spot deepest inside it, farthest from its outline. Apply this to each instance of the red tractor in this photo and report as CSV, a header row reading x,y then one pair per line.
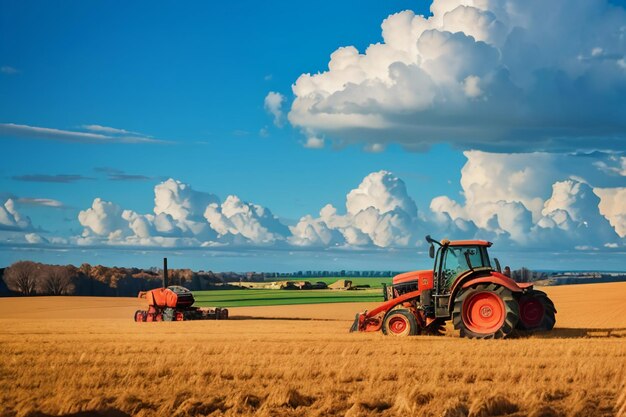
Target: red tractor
x,y
464,287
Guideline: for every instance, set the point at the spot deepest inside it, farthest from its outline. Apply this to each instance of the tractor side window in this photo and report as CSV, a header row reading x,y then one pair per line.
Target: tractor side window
x,y
453,264
474,257
486,261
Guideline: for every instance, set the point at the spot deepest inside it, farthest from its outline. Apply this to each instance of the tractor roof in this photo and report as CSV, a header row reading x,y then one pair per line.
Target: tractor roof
x,y
470,242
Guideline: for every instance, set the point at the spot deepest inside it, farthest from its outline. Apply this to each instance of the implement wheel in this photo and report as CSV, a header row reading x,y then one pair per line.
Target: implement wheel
x,y
139,315
536,311
485,311
400,322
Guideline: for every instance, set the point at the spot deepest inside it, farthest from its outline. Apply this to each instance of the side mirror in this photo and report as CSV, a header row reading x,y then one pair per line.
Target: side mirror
x,y
498,267
429,239
431,251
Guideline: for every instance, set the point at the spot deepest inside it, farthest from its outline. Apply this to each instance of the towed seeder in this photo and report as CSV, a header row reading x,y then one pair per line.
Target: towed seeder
x,y
175,303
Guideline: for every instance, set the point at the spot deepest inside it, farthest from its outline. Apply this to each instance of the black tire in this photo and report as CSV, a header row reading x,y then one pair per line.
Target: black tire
x,y
504,321
138,313
548,320
400,322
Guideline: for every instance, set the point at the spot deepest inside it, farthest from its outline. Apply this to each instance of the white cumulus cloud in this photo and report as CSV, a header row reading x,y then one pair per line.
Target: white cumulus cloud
x,y
184,205
534,199
103,218
537,200
379,212
491,75
314,142
613,207
11,219
236,218
35,239
182,217
273,104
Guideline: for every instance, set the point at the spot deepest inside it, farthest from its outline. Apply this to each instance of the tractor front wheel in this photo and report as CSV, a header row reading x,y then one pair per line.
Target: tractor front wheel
x,y
485,311
536,311
400,322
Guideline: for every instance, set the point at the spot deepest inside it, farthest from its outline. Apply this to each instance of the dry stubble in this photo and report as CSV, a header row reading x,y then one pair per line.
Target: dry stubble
x,y
64,366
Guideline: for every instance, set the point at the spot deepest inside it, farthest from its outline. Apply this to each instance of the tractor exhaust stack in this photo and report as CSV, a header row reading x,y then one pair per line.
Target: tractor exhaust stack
x,y
164,272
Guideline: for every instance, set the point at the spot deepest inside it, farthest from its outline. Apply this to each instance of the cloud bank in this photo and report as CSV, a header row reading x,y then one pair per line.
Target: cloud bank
x,y
519,201
183,217
495,75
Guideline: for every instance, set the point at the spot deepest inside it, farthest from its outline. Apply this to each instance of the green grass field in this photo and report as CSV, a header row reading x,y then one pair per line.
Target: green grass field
x,y
375,282
254,297
265,297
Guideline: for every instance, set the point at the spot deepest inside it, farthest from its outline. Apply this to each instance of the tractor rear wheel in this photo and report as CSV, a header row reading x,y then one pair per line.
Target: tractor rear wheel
x,y
536,311
485,311
400,322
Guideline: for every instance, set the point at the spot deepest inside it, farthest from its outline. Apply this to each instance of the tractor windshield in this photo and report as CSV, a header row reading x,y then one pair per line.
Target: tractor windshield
x,y
455,261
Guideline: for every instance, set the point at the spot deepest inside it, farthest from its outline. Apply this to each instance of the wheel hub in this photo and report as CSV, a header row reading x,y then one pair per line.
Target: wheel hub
x,y
486,311
397,325
531,311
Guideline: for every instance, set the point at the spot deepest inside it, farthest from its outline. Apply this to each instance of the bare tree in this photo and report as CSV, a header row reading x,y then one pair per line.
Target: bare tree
x,y
174,277
523,275
22,277
57,281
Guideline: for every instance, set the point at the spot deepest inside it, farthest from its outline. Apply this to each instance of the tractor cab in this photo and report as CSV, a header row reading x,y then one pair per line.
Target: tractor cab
x,y
454,258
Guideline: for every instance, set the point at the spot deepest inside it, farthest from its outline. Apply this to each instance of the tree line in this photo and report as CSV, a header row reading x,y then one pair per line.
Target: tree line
x,y
32,278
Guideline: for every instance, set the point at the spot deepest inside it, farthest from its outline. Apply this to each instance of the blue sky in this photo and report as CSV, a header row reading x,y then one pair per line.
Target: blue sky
x,y
179,92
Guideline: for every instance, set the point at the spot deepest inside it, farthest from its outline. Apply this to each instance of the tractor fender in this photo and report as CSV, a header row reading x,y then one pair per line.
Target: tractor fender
x,y
486,277
499,279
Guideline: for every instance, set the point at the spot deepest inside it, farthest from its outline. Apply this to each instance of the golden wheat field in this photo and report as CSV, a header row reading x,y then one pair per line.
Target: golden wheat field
x,y
85,356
